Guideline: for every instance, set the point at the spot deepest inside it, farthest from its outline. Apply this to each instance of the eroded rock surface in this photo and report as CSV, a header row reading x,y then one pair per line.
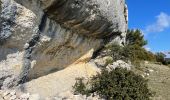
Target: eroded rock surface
x,y
39,37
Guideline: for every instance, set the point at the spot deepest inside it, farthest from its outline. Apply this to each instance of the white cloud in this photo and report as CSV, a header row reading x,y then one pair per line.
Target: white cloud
x,y
162,23
147,48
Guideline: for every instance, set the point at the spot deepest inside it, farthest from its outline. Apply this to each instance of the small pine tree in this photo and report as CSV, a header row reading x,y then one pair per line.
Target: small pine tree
x,y
135,37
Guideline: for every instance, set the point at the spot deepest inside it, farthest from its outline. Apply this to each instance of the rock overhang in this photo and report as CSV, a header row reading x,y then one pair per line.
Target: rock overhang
x,y
94,18
54,34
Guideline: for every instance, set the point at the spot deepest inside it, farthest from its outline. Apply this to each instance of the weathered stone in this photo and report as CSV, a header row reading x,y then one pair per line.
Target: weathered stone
x,y
119,63
25,96
13,92
70,96
45,36
13,97
5,93
34,97
103,61
61,81
96,18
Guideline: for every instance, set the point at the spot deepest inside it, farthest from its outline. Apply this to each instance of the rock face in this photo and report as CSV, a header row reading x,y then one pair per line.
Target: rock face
x,y
97,18
45,36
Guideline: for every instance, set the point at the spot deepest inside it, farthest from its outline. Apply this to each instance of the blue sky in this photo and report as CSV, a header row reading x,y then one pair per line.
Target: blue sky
x,y
153,18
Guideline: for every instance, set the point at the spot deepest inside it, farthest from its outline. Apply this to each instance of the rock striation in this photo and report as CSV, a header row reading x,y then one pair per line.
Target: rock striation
x,y
39,37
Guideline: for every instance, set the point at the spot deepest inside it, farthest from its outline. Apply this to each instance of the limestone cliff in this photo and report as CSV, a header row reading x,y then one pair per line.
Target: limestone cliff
x,y
45,36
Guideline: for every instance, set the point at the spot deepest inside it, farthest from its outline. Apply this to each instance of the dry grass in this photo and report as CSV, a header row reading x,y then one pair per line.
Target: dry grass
x,y
159,80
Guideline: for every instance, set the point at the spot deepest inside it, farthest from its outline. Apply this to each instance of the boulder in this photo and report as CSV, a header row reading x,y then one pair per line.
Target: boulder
x,y
119,63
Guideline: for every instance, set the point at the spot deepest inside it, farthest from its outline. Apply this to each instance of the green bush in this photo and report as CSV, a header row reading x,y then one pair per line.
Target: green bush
x,y
133,50
80,87
134,47
116,52
160,57
134,53
135,37
118,84
137,53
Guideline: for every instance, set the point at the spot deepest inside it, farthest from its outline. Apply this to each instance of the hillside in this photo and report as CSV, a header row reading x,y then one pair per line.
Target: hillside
x,y
158,79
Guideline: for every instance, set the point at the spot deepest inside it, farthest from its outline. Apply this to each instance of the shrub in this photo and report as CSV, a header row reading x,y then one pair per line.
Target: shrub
x,y
116,52
118,84
134,47
134,53
80,87
135,37
160,57
137,53
109,60
133,50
